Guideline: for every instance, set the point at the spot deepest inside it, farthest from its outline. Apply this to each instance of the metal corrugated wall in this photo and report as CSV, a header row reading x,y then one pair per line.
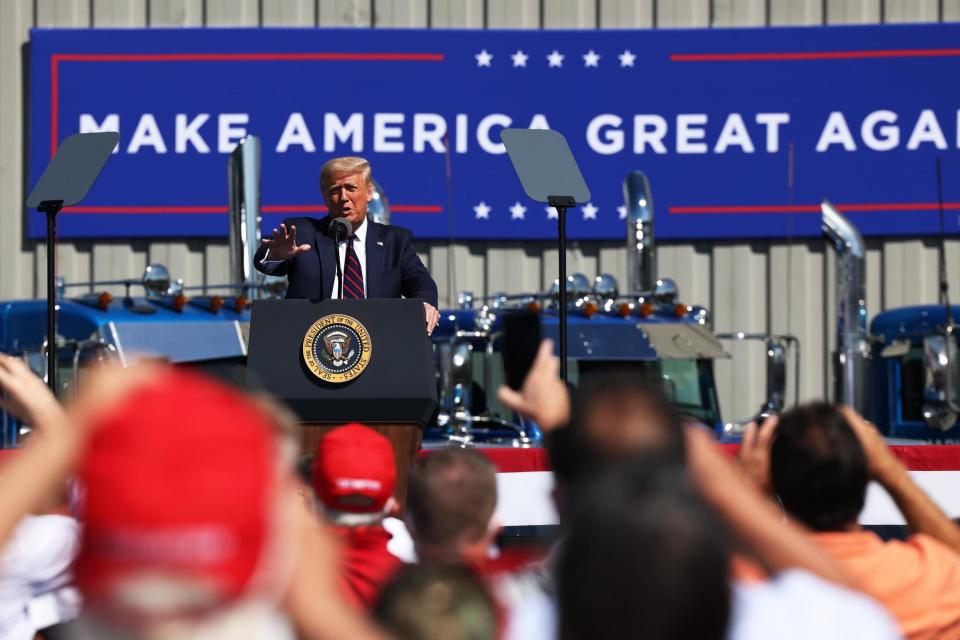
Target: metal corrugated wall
x,y
750,286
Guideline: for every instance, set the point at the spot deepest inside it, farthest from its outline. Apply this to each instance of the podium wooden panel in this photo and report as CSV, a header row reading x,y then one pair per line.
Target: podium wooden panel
x,y
404,438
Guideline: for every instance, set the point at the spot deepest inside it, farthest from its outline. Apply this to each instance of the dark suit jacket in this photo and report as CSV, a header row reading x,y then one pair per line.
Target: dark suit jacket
x,y
393,268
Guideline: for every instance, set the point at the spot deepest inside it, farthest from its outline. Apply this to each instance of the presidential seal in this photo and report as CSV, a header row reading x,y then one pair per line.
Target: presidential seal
x,y
337,348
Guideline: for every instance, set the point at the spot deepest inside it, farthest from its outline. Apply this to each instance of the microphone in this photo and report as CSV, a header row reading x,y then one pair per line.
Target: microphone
x,y
340,229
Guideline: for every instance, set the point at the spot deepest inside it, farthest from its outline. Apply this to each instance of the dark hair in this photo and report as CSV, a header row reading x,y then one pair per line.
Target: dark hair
x,y
643,556
451,496
575,451
818,467
425,602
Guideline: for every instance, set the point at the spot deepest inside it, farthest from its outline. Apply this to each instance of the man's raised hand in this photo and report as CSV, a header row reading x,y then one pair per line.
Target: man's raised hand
x,y
283,244
544,397
27,397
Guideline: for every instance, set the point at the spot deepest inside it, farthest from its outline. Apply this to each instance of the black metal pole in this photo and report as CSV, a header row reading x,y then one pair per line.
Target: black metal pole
x,y
562,247
336,256
51,210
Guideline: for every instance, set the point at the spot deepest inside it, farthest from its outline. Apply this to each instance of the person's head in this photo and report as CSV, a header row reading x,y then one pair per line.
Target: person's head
x,y
818,468
183,499
643,555
431,602
354,475
451,499
614,416
347,188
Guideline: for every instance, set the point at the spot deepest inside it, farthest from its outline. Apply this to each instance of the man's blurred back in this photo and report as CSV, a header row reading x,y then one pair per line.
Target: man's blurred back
x,y
643,556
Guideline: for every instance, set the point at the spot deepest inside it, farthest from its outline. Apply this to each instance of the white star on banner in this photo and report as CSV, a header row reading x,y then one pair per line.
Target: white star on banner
x,y
555,58
484,58
622,212
591,59
627,58
482,210
590,212
552,213
517,211
519,59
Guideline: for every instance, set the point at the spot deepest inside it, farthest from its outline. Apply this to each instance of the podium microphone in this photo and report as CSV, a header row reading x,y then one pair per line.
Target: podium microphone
x,y
339,229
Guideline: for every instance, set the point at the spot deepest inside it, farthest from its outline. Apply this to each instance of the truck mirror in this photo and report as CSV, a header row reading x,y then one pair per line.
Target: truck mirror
x,y
940,359
156,280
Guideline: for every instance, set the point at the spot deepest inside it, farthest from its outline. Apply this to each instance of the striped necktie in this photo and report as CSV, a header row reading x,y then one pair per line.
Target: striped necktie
x,y
352,274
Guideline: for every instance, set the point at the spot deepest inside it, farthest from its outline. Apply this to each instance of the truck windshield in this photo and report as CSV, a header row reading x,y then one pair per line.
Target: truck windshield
x,y
688,383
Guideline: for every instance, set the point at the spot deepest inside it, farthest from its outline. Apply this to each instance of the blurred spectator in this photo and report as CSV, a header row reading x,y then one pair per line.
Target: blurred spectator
x,y
821,461
646,431
643,555
35,581
192,526
183,513
437,602
354,477
451,501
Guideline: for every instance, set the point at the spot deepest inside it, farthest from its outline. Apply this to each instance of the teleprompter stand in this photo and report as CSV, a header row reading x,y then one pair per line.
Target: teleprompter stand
x,y
546,167
65,182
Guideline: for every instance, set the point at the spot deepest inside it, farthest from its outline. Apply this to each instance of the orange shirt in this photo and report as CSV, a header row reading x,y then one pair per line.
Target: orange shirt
x,y
917,580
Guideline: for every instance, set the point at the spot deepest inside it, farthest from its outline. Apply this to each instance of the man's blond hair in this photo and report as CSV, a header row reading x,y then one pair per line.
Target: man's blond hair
x,y
345,164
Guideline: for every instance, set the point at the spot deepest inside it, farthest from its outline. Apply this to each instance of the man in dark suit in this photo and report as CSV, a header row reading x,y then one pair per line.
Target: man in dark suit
x,y
378,261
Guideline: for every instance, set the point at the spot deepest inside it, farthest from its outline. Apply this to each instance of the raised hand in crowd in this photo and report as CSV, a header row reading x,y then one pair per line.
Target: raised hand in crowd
x,y
777,544
919,510
544,397
755,452
32,475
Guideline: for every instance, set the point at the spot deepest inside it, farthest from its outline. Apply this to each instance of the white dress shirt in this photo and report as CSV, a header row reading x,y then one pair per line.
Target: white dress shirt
x,y
359,248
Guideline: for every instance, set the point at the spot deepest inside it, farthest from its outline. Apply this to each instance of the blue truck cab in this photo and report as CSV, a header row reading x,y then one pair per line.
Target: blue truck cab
x,y
908,351
655,335
208,332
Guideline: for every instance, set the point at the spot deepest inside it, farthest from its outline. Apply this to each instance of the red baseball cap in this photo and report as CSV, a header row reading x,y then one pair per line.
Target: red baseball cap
x,y
354,470
178,484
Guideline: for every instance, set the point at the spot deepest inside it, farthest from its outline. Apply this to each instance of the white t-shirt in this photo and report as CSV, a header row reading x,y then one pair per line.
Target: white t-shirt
x,y
793,605
799,605
34,575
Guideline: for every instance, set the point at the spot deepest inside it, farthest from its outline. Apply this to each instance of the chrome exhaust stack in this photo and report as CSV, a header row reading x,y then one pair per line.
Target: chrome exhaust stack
x,y
641,250
853,346
378,209
244,181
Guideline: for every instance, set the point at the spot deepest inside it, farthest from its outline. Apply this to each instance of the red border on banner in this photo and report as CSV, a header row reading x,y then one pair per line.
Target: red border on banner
x,y
812,208
57,58
510,460
813,55
915,458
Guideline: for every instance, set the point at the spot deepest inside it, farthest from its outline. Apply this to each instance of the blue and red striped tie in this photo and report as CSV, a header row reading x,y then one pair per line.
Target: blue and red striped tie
x,y
352,274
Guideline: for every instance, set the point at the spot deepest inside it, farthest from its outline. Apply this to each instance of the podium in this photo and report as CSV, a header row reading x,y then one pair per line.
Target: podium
x,y
339,361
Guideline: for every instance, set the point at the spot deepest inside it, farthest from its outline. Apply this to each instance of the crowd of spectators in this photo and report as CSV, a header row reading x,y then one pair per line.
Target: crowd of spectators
x,y
161,504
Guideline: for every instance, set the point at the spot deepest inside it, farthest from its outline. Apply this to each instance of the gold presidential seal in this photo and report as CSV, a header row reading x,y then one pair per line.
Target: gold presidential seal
x,y
337,348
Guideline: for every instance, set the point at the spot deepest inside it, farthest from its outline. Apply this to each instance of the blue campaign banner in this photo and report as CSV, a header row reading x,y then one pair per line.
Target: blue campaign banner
x,y
741,131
